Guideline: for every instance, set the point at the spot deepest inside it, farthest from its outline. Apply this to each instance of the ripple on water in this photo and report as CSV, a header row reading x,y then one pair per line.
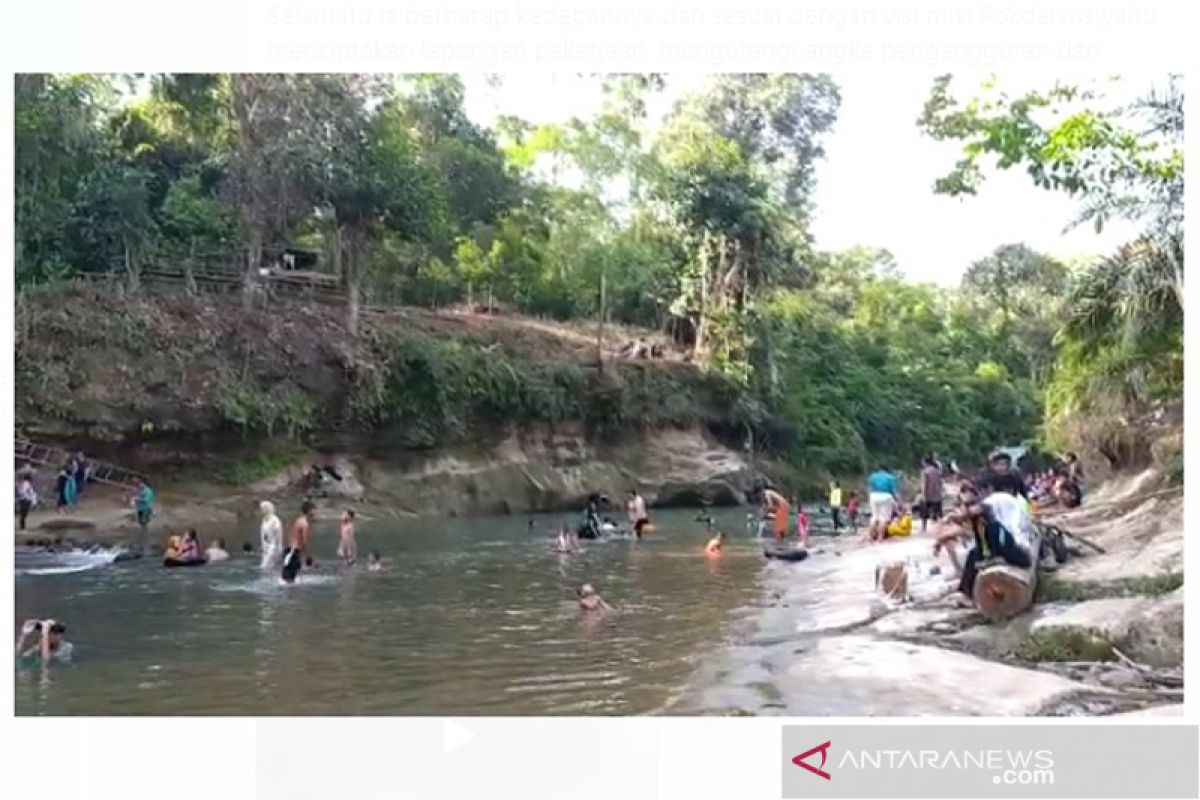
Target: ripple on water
x,y
470,617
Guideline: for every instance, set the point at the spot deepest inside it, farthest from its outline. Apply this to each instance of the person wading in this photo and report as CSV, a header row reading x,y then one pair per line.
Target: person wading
x,y
777,510
270,535
636,508
297,554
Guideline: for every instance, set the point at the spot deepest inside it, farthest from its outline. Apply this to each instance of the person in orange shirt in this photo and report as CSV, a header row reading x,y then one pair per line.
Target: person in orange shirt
x,y
778,510
715,545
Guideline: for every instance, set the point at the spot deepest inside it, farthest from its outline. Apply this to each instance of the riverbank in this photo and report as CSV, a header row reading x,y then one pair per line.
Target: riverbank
x,y
826,644
528,472
424,412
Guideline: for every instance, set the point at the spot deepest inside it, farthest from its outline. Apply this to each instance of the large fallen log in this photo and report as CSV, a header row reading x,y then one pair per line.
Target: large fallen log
x,y
1002,590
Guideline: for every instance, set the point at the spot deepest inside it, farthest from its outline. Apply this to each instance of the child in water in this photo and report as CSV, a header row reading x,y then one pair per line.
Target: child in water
x,y
714,546
590,599
801,524
374,562
347,544
566,540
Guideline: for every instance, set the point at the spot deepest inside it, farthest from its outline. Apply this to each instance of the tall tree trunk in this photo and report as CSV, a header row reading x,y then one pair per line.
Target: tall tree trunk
x,y
131,270
353,282
189,276
253,259
698,346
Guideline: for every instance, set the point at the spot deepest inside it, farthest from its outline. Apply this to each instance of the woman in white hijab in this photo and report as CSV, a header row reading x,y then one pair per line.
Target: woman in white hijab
x,y
271,534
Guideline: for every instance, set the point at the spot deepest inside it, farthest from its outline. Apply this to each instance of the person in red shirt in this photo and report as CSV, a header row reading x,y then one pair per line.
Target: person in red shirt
x,y
852,511
801,524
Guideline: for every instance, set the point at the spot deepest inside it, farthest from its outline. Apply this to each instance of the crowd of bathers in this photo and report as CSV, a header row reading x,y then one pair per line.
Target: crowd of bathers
x,y
992,518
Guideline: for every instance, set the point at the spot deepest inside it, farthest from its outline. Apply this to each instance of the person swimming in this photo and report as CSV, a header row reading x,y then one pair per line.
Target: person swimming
x,y
51,645
216,551
374,562
715,545
590,599
190,550
566,542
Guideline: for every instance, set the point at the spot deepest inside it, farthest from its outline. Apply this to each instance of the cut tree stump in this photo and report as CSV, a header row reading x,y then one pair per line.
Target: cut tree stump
x,y
1002,590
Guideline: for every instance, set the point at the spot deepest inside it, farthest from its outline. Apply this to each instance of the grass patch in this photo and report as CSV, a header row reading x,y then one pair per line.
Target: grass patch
x,y
255,468
1067,644
1051,590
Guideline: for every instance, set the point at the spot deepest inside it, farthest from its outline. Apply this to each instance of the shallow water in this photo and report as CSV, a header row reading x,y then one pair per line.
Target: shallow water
x,y
470,616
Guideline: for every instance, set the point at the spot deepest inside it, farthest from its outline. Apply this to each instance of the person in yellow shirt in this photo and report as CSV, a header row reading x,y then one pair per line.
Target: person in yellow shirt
x,y
901,524
835,505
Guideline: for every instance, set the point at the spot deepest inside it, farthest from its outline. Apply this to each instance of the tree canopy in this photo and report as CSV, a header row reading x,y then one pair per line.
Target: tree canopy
x,y
698,225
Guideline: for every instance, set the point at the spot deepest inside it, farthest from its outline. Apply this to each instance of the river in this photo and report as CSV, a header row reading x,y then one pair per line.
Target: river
x,y
470,616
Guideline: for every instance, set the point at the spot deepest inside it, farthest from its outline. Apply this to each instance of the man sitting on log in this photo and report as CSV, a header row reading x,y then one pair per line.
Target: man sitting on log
x,y
991,539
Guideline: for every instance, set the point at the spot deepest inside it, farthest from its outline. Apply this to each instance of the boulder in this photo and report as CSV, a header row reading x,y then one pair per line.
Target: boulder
x,y
864,676
1147,629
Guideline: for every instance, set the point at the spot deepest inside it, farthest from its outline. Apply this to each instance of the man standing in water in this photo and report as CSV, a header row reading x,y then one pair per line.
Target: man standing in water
x,y
637,512
778,511
271,535
347,545
297,554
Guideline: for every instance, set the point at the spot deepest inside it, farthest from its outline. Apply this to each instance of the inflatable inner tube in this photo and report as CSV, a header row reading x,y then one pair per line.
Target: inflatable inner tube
x,y
179,562
786,553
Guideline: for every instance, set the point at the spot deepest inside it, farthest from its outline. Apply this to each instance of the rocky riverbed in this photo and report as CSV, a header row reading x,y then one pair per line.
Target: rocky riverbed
x,y
1106,637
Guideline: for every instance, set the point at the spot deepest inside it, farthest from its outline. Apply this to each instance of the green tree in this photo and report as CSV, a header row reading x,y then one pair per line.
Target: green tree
x,y
60,140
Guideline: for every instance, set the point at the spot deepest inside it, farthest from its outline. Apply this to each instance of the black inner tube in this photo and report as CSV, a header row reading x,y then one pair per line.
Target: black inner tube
x,y
786,553
181,562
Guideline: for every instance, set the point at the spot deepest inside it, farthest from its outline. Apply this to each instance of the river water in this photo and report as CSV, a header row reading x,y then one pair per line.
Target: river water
x,y
470,616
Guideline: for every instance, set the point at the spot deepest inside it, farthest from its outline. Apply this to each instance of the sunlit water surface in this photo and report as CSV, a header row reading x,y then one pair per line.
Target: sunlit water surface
x,y
470,616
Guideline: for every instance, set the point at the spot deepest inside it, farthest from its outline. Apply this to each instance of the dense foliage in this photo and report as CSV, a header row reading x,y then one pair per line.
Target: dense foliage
x,y
1121,350
697,226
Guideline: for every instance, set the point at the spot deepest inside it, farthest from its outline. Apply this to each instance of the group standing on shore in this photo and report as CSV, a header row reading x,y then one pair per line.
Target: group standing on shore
x,y
70,483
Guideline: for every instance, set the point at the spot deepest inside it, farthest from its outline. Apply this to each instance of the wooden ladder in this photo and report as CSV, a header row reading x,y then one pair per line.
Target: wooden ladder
x,y
54,457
